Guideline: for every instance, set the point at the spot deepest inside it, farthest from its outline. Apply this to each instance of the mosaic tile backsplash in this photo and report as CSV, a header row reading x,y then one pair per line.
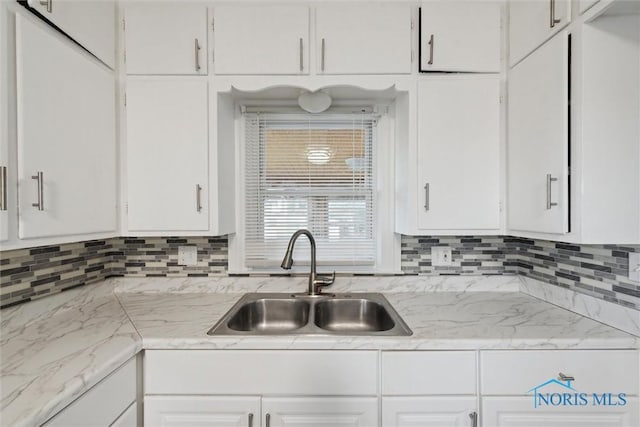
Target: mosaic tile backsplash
x,y
597,270
27,274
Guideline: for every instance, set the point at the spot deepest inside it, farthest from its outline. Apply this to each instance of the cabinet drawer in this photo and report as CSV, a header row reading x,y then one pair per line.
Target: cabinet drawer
x,y
416,372
298,372
517,372
102,404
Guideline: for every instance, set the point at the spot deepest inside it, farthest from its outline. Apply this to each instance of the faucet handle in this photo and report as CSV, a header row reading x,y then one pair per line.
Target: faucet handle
x,y
325,280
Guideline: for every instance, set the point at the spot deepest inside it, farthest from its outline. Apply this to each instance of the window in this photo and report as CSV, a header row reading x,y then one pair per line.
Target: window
x,y
314,172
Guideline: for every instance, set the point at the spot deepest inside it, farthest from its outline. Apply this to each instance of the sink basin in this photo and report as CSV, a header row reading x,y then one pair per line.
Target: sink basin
x,y
301,314
270,315
352,315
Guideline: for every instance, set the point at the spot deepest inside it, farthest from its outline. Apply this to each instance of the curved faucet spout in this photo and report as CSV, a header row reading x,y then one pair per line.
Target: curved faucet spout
x,y
315,283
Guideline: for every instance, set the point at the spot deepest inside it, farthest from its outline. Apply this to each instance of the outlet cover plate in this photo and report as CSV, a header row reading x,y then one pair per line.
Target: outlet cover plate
x,y
634,266
440,256
187,255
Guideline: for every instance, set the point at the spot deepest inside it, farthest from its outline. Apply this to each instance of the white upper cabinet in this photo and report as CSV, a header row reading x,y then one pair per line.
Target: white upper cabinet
x,y
91,23
167,154
5,171
458,165
538,140
531,22
66,136
165,38
363,39
261,39
460,36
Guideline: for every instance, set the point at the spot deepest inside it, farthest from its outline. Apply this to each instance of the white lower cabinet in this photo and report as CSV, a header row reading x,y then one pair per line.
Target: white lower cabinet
x,y
218,411
111,402
250,411
559,388
520,412
266,388
428,411
429,389
320,411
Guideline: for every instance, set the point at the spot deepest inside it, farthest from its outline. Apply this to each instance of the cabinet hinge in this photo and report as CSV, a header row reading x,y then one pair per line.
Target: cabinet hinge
x,y
124,25
501,99
125,99
213,24
412,24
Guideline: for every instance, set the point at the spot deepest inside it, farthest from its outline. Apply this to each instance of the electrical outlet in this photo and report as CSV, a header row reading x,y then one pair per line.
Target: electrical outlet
x,y
634,266
187,255
440,256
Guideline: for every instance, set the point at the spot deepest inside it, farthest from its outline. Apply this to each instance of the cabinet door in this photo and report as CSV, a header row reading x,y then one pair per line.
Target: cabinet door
x,y
428,411
320,411
90,23
538,140
165,38
5,168
261,39
167,155
66,136
353,39
530,24
519,412
460,36
199,411
458,153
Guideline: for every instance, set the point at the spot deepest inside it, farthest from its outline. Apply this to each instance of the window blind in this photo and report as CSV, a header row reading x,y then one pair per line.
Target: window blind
x,y
314,172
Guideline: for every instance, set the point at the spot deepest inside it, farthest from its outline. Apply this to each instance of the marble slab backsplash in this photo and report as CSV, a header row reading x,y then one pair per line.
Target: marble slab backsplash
x,y
595,270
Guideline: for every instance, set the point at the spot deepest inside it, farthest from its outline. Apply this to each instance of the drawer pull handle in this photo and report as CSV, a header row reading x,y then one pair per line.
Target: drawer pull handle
x,y
301,55
322,57
426,197
198,198
196,49
563,377
552,14
550,179
48,3
431,42
39,177
473,417
268,420
250,420
3,188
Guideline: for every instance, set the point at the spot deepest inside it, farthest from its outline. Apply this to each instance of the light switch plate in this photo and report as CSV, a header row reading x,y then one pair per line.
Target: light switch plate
x,y
440,256
187,255
634,266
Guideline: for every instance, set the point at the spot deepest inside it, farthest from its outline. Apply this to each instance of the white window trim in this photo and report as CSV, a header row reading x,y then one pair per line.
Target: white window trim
x,y
388,249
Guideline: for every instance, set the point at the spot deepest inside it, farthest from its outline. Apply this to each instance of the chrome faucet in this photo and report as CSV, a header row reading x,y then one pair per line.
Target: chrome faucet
x,y
316,283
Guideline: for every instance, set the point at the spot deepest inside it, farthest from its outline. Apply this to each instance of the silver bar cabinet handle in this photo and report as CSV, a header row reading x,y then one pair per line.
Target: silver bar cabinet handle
x,y
473,417
250,420
301,54
3,188
431,42
550,179
426,196
322,56
268,420
198,198
48,3
197,54
40,178
563,377
552,14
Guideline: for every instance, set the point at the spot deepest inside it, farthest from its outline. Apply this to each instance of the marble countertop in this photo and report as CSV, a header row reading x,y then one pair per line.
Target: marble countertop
x,y
55,349
492,316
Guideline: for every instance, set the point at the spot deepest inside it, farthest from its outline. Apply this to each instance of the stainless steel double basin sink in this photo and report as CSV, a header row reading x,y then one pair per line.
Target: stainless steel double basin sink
x,y
301,314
